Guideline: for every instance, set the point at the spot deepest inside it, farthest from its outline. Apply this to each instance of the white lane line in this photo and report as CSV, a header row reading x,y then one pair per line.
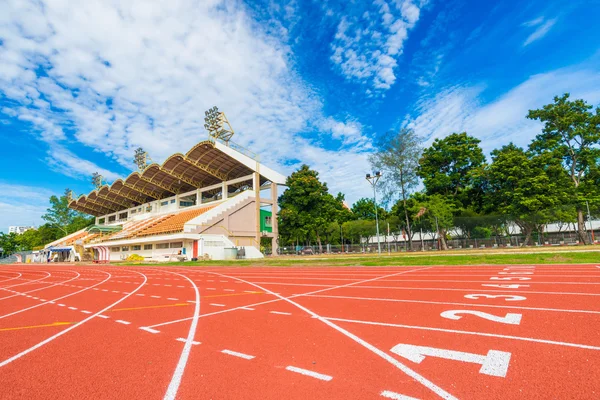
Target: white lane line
x,y
229,290
103,316
70,328
210,288
307,372
120,321
236,354
145,328
171,393
139,294
217,305
402,367
86,311
247,308
61,305
184,340
72,308
249,291
156,297
426,328
52,302
180,286
455,304
396,396
172,298
280,312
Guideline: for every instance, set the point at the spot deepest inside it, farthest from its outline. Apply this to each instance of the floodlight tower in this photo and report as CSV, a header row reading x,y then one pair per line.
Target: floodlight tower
x,y
373,179
217,125
141,159
97,180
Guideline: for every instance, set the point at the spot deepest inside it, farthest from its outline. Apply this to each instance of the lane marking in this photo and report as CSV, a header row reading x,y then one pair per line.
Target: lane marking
x,y
146,307
217,305
247,308
184,340
61,305
156,297
455,304
86,311
229,290
103,316
211,288
145,328
236,354
171,393
36,326
51,338
120,321
408,371
494,335
396,396
307,372
72,308
172,298
233,294
280,312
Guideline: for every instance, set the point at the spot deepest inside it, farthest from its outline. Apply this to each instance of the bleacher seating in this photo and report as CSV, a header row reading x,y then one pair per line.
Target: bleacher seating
x,y
131,228
172,223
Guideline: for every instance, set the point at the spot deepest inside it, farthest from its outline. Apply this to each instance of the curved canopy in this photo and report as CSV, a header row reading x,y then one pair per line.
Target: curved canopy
x,y
206,164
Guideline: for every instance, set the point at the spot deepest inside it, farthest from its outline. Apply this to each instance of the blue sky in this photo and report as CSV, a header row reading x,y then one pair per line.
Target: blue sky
x,y
82,84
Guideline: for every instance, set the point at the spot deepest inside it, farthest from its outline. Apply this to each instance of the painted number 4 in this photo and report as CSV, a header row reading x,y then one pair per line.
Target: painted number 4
x,y
494,363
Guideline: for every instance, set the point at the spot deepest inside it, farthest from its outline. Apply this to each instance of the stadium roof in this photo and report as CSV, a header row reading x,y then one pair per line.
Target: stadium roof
x,y
207,163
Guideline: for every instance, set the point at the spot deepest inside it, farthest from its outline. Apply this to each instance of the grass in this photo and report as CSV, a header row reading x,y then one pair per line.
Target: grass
x,y
550,256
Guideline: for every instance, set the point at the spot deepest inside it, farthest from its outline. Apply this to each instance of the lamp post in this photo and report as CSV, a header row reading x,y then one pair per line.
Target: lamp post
x,y
373,179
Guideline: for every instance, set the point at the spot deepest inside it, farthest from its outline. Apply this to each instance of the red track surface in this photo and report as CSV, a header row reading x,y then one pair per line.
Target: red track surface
x,y
303,333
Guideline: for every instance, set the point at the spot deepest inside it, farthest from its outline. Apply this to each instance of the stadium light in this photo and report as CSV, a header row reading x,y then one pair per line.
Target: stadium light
x,y
97,180
217,125
373,181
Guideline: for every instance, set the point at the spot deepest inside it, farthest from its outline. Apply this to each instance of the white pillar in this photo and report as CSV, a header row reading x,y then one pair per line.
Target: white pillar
x,y
224,190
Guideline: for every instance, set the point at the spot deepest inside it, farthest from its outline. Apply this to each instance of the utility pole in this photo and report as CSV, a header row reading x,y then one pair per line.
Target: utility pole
x,y
590,219
373,181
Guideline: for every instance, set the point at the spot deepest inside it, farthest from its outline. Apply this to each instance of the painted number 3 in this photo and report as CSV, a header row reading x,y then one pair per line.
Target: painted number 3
x,y
509,318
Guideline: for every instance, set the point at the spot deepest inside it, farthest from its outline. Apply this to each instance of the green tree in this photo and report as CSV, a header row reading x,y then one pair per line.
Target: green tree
x,y
307,208
448,168
9,243
439,212
526,187
398,157
572,133
59,214
365,209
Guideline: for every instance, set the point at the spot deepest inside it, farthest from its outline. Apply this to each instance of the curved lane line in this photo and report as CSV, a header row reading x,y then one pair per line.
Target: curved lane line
x,y
187,348
51,338
58,298
26,283
42,288
408,371
290,297
10,279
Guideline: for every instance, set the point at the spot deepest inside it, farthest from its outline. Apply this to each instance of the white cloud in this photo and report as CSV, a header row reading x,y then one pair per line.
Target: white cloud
x,y
349,132
366,46
499,122
123,74
543,27
22,205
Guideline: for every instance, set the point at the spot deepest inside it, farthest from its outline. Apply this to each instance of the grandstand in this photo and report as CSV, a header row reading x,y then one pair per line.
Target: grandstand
x,y
215,201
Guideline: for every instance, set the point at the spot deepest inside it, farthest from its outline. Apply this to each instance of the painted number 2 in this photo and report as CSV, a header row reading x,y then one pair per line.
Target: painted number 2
x,y
509,318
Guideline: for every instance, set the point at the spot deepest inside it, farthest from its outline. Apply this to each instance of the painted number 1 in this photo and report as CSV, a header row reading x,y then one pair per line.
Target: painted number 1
x,y
494,363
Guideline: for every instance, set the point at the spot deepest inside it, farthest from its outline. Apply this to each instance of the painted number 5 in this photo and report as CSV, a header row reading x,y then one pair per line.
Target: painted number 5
x,y
509,318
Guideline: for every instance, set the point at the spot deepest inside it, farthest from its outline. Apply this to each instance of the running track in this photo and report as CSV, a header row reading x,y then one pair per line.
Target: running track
x,y
468,332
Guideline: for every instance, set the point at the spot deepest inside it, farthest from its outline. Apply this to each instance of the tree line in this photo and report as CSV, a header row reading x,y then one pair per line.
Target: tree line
x,y
60,221
556,179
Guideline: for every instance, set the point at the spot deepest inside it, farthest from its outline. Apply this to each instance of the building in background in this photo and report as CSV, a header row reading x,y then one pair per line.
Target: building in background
x,y
19,229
